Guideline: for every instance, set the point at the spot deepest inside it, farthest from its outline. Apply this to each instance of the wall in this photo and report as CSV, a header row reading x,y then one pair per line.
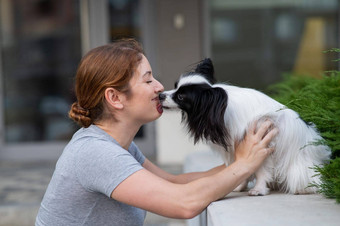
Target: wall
x,y
179,47
173,143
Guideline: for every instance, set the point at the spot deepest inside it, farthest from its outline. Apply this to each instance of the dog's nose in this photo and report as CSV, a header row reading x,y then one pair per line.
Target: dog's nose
x,y
162,96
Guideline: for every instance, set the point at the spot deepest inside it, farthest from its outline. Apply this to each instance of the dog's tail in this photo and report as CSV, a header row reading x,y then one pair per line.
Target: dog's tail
x,y
295,167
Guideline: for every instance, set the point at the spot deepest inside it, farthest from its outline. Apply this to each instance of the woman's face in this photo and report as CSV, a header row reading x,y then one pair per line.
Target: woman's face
x,y
142,104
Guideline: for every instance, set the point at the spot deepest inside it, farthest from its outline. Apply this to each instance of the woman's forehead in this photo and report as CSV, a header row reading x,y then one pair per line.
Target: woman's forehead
x,y
144,68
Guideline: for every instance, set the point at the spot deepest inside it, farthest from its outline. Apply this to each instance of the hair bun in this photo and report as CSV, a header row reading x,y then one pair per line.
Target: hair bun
x,y
80,115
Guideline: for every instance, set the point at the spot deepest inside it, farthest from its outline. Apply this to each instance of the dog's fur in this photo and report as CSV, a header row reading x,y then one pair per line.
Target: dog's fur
x,y
220,114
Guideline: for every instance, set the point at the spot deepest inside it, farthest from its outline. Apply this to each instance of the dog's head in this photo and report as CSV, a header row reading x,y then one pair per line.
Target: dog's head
x,y
202,105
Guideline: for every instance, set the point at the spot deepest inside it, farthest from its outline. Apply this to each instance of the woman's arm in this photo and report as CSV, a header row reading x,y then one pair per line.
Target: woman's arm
x,y
181,178
151,192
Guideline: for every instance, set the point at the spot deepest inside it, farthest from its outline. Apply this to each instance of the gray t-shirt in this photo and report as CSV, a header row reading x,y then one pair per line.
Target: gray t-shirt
x,y
92,165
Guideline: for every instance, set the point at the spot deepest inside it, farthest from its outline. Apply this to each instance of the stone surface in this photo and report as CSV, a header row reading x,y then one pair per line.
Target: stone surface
x,y
275,209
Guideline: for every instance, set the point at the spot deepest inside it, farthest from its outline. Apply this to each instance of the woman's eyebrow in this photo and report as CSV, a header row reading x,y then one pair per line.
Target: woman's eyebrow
x,y
147,73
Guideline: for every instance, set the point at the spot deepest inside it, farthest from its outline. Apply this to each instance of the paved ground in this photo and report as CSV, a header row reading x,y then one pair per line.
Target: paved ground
x,y
22,187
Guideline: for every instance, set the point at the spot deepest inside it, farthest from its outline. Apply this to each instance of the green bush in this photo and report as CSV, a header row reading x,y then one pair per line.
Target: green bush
x,y
317,101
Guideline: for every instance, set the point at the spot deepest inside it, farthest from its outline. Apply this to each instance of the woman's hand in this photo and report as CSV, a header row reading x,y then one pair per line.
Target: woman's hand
x,y
253,149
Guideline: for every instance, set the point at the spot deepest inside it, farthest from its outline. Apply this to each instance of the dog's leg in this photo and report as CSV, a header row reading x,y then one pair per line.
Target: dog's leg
x,y
263,177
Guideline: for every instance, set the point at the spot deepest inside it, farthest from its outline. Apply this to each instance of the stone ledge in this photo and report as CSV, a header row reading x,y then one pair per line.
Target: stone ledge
x,y
275,209
238,208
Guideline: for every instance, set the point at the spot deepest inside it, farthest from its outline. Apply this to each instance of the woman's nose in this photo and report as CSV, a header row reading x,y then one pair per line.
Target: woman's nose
x,y
159,87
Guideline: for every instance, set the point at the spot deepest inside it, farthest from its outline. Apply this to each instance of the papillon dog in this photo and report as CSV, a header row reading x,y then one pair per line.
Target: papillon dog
x,y
220,114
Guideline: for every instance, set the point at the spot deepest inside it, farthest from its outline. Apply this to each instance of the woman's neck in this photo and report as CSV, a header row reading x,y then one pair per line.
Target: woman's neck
x,y
121,132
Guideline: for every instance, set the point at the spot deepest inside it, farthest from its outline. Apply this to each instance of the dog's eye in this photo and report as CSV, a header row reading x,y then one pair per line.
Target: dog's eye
x,y
180,97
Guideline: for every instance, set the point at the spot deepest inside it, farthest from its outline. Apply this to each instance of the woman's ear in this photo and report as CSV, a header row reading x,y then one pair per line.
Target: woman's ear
x,y
113,98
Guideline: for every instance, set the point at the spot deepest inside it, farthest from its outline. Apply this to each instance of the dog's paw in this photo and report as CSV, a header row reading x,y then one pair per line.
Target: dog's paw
x,y
258,191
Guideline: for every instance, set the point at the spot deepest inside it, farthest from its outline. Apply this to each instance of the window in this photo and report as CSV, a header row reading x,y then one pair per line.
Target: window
x,y
40,50
254,42
124,19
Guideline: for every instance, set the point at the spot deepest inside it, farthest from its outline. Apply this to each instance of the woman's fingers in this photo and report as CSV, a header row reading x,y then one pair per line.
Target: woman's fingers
x,y
269,137
266,134
263,129
252,127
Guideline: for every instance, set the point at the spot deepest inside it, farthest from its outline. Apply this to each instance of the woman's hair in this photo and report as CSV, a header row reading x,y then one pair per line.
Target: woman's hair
x,y
110,65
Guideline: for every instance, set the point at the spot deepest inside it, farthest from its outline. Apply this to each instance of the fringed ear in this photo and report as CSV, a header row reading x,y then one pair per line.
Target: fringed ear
x,y
206,121
206,68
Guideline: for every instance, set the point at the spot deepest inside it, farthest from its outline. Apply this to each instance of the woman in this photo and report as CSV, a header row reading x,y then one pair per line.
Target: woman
x,y
102,178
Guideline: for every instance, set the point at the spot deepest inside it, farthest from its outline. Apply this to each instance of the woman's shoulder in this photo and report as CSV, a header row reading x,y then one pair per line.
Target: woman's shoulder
x,y
91,140
91,134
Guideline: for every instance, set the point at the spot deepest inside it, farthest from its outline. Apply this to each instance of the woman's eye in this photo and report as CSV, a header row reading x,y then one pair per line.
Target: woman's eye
x,y
148,82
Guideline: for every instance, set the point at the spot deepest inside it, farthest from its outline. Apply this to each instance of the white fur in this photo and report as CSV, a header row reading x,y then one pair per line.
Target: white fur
x,y
289,167
193,79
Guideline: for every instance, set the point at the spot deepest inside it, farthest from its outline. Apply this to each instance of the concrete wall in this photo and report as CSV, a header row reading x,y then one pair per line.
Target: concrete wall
x,y
172,141
179,46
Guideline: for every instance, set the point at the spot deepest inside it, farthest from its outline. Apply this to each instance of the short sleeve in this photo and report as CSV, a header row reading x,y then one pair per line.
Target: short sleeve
x,y
102,165
136,153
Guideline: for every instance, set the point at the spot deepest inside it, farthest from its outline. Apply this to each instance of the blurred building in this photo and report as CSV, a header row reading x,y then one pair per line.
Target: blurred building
x,y
252,43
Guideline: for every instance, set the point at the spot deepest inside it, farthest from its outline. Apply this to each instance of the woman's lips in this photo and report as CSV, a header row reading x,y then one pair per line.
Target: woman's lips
x,y
159,105
159,108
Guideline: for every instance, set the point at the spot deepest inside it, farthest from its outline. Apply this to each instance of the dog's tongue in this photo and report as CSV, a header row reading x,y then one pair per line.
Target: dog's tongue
x,y
160,108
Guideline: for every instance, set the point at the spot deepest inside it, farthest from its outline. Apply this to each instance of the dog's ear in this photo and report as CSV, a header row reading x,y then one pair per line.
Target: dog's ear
x,y
206,118
206,68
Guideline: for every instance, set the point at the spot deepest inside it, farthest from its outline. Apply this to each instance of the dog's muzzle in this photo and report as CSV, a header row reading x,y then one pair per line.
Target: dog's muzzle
x,y
162,97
